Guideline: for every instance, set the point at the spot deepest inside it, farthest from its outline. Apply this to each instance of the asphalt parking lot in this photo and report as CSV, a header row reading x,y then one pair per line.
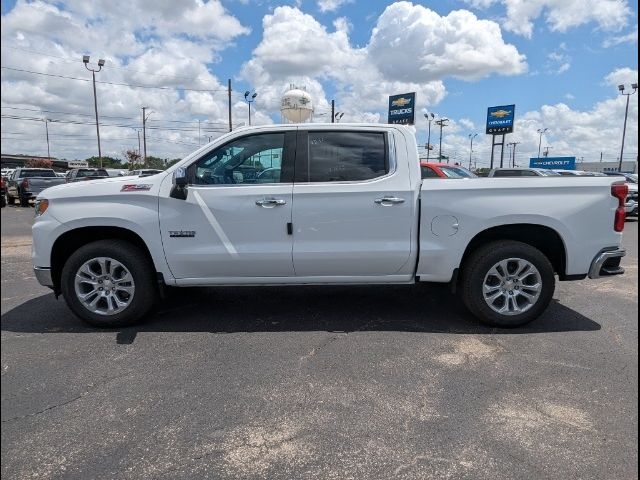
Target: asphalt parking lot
x,y
318,382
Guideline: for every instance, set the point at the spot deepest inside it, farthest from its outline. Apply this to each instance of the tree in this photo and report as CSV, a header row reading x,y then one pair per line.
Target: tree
x,y
107,162
133,158
38,163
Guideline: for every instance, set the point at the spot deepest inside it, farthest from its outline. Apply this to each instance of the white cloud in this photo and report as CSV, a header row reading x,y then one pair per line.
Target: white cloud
x,y
413,42
296,48
560,15
163,44
331,5
572,132
631,37
621,76
466,123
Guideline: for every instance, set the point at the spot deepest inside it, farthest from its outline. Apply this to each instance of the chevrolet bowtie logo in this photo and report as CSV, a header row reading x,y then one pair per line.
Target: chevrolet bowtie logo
x,y
400,102
500,113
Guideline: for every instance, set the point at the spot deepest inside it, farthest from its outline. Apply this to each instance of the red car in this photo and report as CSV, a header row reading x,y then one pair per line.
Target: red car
x,y
444,170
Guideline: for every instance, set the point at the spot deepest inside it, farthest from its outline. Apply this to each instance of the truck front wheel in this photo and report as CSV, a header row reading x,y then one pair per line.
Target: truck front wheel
x,y
507,283
109,283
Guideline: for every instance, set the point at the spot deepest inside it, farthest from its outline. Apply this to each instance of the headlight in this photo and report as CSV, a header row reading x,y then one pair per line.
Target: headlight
x,y
41,206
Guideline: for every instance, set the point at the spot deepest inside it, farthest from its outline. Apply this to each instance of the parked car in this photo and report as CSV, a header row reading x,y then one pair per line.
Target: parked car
x,y
116,172
146,172
578,173
444,170
522,172
349,207
26,183
3,192
61,174
84,174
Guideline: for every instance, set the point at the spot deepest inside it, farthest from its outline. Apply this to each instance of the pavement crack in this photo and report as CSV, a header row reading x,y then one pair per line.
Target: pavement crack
x,y
67,402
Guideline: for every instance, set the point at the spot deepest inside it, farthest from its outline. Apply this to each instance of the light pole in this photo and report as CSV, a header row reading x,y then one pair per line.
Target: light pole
x,y
249,100
471,137
443,123
626,112
338,116
546,151
429,117
541,132
85,60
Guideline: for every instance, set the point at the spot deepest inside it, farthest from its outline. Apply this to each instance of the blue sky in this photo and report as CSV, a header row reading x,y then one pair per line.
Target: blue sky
x,y
557,60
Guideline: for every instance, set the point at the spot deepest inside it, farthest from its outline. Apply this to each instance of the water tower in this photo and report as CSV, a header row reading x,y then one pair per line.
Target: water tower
x,y
296,105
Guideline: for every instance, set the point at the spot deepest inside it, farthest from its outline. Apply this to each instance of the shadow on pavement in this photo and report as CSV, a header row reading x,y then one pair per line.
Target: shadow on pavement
x,y
414,308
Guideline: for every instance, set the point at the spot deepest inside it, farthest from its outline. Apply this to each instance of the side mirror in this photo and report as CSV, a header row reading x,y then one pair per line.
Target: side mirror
x,y
180,183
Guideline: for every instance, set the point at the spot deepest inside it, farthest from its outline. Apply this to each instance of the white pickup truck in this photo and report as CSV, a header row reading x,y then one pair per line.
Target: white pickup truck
x,y
323,204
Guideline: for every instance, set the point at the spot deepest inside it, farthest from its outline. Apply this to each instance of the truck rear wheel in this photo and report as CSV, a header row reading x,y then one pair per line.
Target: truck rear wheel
x,y
507,283
109,283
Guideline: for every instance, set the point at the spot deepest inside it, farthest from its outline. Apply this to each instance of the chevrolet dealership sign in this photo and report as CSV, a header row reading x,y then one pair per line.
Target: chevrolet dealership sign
x,y
402,108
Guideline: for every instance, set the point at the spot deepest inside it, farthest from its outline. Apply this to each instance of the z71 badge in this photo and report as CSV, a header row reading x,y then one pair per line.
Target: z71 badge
x,y
182,233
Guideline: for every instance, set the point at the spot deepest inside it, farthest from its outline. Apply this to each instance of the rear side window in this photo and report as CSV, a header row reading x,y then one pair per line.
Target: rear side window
x,y
38,173
92,173
428,172
507,173
347,156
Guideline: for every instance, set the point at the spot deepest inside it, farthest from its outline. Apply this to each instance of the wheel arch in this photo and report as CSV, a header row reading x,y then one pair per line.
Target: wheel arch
x,y
71,240
542,237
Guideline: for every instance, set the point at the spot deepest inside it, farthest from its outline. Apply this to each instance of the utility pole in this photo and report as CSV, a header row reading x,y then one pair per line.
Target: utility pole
x,y
513,153
443,123
471,136
85,60
333,111
46,127
546,151
600,157
198,132
144,134
229,93
626,112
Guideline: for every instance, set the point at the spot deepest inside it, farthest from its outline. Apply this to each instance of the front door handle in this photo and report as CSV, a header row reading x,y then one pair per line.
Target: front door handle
x,y
386,201
270,202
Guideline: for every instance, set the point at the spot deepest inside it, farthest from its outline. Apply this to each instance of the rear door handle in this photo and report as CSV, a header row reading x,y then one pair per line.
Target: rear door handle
x,y
270,202
386,201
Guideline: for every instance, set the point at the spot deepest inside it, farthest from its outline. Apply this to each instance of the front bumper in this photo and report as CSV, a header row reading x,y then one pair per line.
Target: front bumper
x,y
43,275
607,263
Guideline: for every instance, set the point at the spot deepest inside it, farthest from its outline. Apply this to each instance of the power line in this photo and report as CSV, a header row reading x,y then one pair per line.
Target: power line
x,y
121,84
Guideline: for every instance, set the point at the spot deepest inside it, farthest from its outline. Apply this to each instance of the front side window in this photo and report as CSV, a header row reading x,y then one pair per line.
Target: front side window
x,y
347,156
507,173
255,159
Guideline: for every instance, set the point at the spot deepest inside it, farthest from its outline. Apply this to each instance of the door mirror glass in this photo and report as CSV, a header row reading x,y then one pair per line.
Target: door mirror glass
x,y
180,182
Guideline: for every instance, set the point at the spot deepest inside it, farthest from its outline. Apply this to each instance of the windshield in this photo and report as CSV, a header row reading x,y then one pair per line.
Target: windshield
x,y
457,172
37,173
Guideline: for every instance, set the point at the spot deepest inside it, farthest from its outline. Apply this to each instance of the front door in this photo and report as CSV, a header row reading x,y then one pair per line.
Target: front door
x,y
234,221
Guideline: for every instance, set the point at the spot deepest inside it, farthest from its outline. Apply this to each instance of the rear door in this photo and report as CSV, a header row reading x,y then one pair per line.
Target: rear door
x,y
353,210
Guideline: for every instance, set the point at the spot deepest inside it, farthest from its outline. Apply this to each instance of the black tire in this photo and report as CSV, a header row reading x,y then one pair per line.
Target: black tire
x,y
138,264
24,202
478,264
3,201
11,200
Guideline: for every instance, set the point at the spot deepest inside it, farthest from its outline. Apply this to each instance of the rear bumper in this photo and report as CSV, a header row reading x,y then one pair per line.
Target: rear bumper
x,y
607,263
43,275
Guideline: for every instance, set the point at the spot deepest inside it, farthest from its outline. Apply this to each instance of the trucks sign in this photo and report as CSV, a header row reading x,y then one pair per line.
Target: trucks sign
x,y
402,108
500,119
561,163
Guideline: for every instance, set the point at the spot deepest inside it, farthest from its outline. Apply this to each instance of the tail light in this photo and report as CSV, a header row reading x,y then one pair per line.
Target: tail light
x,y
25,183
620,191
